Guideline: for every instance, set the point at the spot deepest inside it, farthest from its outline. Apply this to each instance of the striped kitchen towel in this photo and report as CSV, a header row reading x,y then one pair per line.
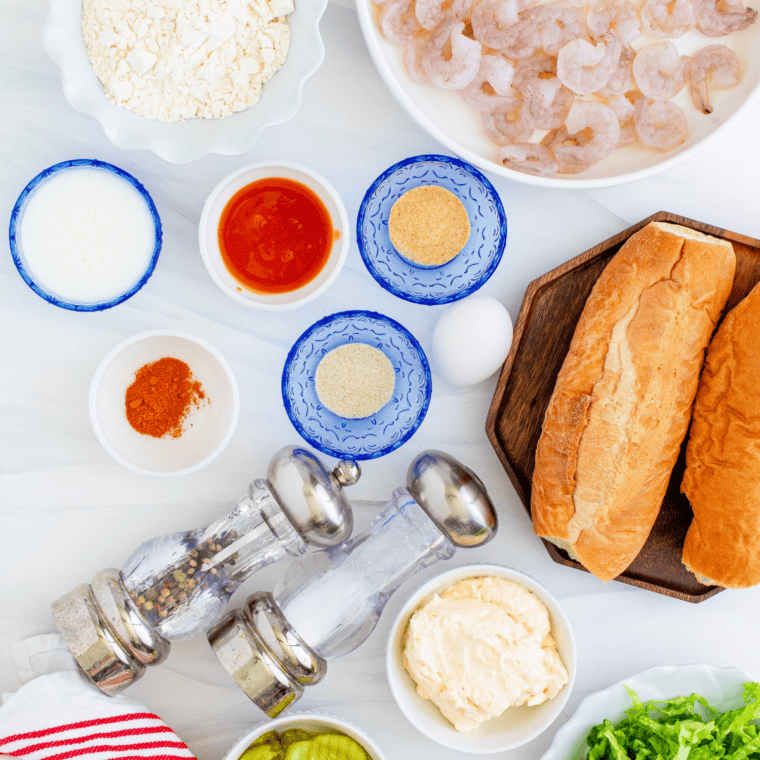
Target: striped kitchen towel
x,y
60,715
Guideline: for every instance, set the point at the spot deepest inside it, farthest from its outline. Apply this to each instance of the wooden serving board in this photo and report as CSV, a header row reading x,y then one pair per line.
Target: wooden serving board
x,y
543,331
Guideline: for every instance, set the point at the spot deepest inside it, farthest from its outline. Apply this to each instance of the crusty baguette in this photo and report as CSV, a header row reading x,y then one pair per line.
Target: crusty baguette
x,y
722,479
623,397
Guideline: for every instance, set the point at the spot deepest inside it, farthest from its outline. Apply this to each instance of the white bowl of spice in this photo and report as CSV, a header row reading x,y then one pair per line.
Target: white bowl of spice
x,y
274,236
164,403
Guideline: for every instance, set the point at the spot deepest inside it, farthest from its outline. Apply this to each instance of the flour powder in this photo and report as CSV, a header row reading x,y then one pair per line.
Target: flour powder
x,y
177,59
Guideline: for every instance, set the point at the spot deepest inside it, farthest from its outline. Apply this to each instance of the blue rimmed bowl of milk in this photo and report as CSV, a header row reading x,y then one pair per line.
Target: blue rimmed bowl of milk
x,y
85,235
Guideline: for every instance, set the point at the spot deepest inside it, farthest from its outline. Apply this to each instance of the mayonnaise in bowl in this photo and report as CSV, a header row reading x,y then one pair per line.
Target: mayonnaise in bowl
x,y
473,625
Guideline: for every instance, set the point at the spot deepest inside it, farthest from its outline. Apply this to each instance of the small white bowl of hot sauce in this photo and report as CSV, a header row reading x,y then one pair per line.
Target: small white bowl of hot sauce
x,y
274,236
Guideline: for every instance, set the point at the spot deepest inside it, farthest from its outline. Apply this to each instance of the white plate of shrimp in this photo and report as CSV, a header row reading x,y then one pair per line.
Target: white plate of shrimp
x,y
568,93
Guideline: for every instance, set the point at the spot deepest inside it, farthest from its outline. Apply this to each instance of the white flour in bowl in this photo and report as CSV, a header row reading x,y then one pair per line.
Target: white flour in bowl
x,y
177,59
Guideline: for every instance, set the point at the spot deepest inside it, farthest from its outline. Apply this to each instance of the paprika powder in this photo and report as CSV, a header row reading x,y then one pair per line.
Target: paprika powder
x,y
160,397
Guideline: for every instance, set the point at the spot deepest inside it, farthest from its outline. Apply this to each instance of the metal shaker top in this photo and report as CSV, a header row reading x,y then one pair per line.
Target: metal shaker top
x,y
453,497
311,496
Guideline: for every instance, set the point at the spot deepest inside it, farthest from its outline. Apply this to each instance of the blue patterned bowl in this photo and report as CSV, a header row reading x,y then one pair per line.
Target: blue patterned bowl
x,y
372,436
17,252
469,269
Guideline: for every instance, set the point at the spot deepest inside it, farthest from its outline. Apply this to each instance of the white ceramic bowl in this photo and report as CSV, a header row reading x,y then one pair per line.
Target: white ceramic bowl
x,y
445,116
209,427
515,726
309,722
721,686
182,142
209,243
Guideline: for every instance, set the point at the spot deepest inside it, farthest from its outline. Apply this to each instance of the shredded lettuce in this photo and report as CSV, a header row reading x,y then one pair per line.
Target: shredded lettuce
x,y
683,728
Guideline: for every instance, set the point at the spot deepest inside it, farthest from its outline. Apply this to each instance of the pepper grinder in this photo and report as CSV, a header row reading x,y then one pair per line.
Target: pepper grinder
x,y
175,586
329,602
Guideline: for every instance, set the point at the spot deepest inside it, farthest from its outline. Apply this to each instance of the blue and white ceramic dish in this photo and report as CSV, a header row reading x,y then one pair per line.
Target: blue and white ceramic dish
x,y
17,215
372,436
470,268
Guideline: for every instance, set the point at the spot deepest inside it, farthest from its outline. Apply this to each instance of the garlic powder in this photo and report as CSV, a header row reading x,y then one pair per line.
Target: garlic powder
x,y
177,59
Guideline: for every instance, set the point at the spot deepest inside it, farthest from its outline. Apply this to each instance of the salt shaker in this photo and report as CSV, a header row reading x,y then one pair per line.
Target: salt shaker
x,y
175,586
329,602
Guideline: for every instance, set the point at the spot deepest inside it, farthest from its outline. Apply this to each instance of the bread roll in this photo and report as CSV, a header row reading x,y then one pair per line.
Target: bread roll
x,y
722,479
623,398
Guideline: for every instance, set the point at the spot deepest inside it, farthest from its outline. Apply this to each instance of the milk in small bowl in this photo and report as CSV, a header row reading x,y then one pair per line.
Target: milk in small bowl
x,y
85,235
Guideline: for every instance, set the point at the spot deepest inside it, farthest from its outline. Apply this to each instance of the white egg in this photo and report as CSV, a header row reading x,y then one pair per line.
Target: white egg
x,y
471,340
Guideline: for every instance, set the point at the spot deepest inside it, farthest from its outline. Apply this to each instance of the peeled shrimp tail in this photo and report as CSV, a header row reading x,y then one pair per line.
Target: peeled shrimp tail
x,y
713,22
451,59
531,158
717,64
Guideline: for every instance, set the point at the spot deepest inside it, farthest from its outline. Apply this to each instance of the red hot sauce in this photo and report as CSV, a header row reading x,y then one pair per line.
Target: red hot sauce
x,y
275,235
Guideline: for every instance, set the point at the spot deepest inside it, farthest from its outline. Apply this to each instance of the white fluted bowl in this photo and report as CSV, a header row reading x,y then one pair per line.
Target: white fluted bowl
x,y
184,141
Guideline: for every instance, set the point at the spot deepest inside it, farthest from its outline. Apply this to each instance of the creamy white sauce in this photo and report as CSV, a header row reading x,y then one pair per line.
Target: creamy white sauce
x,y
87,235
481,647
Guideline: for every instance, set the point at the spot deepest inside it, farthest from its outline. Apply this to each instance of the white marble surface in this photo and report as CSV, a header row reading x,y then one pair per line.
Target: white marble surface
x,y
67,510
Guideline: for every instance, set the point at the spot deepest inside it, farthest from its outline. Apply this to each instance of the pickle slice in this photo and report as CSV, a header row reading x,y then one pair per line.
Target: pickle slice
x,y
296,735
270,737
262,752
298,750
335,747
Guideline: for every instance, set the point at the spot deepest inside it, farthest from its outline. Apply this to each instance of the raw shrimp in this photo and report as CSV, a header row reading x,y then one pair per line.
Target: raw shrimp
x,y
619,16
491,89
628,134
668,19
546,108
491,19
398,21
413,59
522,39
450,59
622,79
545,99
557,24
503,128
716,63
623,109
531,158
560,138
430,13
660,124
659,70
586,68
528,71
605,131
713,21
